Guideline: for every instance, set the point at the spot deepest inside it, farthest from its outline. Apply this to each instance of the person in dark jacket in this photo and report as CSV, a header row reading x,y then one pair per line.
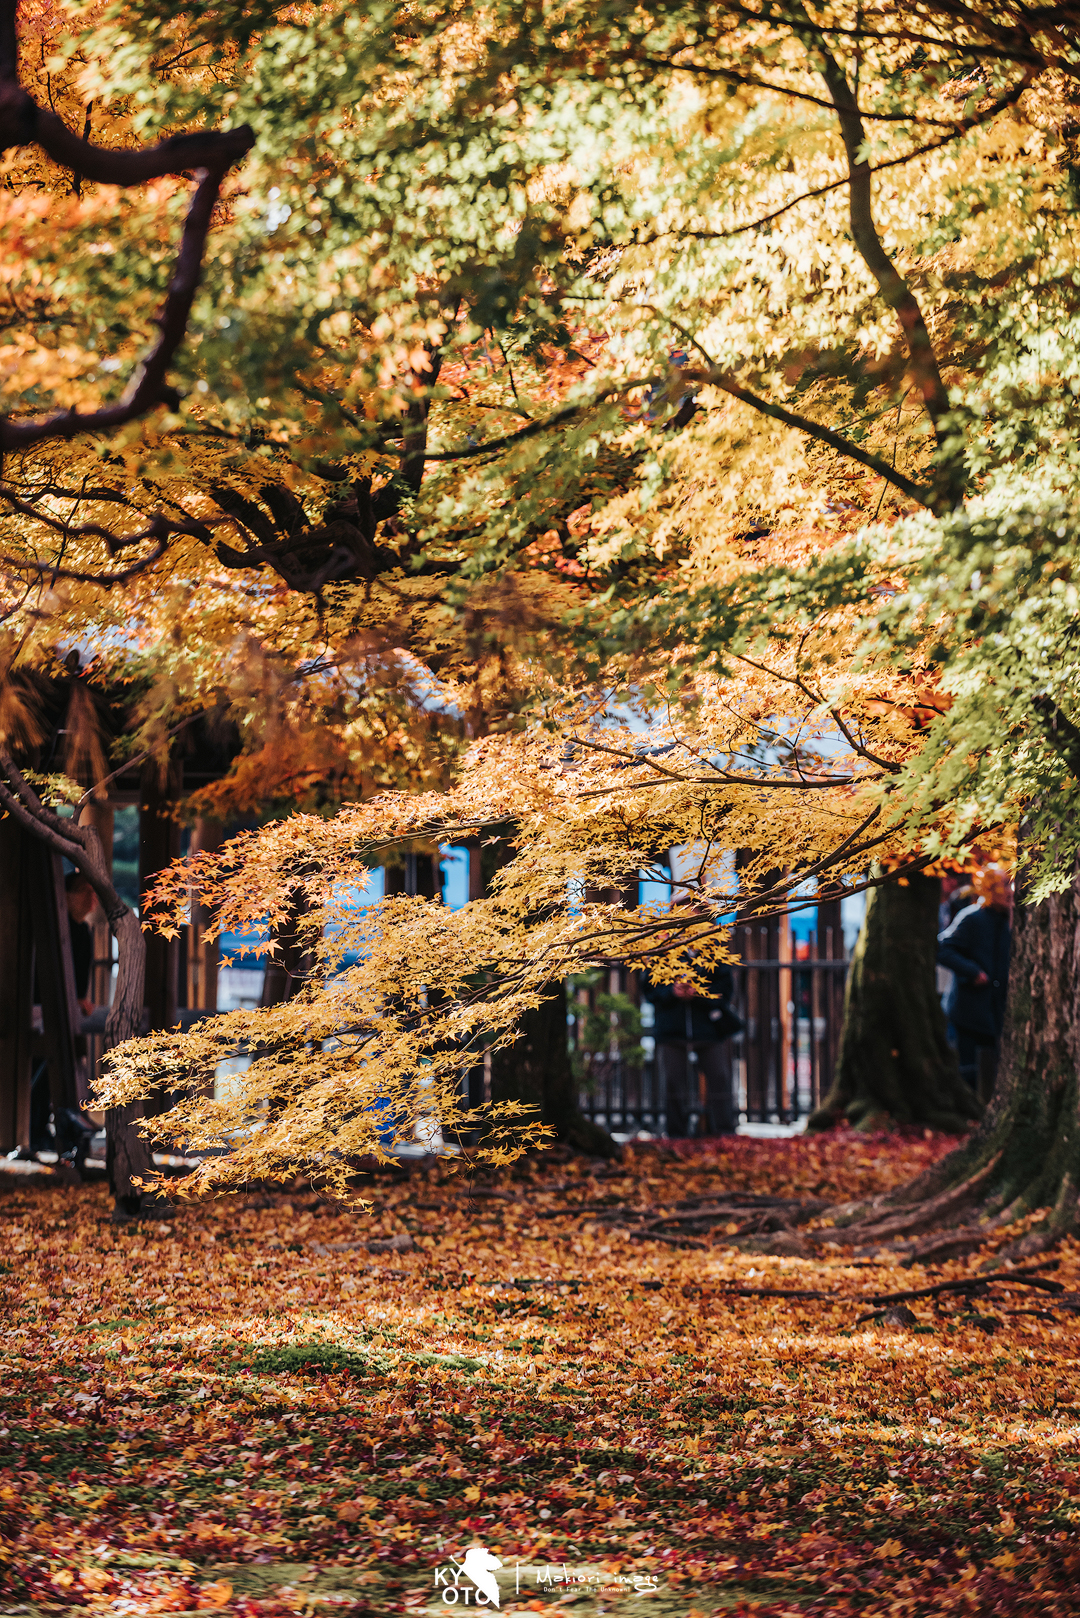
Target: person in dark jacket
x,y
975,948
689,1031
81,900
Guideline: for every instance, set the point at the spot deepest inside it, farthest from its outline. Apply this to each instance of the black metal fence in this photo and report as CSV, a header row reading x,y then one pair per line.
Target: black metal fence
x,y
790,996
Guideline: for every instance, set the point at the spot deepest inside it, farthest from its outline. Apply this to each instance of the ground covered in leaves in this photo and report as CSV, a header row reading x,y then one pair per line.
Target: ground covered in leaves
x,y
245,1409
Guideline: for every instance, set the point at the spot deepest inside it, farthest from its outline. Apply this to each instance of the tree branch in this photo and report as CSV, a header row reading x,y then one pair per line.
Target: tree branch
x,y
536,427
819,702
211,154
814,429
963,128
24,123
729,777
158,526
747,81
949,481
147,387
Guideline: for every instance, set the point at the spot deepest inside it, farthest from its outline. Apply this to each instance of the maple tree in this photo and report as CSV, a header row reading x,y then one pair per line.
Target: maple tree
x,y
792,348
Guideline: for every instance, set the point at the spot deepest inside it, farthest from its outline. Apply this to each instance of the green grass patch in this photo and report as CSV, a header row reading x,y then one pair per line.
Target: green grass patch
x,y
306,1358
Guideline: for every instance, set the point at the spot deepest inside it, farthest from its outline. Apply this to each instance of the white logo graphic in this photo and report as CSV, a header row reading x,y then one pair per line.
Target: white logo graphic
x,y
479,1566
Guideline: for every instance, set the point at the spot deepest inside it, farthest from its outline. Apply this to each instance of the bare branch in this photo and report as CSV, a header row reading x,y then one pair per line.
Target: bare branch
x,y
729,777
536,427
54,571
93,530
819,702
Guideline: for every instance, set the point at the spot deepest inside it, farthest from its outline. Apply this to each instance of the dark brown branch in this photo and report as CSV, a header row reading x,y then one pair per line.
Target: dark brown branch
x,y
804,873
730,777
54,571
963,128
1011,42
970,1283
814,429
209,153
158,527
57,491
147,388
892,285
857,747
536,427
747,81
24,123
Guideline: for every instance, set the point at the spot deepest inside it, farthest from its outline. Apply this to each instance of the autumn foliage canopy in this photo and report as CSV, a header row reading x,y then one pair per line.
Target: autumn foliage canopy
x,y
624,427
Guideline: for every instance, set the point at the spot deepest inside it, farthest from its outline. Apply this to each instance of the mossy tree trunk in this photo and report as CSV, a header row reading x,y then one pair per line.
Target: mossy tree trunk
x,y
895,1065
536,1069
1025,1154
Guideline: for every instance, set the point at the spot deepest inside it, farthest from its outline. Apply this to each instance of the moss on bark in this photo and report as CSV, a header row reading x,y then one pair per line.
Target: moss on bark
x,y
895,1064
1024,1156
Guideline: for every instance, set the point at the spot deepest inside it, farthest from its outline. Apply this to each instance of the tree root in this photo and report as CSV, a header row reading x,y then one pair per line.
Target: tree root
x,y
977,1283
923,1216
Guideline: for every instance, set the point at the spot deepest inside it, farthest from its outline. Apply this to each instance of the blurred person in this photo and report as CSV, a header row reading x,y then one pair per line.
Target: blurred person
x,y
81,900
689,1032
975,948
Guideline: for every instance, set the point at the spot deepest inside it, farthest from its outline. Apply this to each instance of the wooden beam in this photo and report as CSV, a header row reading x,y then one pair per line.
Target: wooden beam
x,y
16,988
55,972
159,845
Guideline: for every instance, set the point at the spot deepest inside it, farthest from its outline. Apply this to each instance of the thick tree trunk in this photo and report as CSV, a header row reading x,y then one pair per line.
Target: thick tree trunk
x,y
1025,1154
895,1065
128,1155
536,1069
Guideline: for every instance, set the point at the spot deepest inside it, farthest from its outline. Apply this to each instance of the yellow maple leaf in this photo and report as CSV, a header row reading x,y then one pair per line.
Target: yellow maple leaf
x,y
215,1595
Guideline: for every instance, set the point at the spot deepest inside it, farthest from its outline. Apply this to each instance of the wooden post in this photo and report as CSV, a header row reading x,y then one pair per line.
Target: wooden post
x,y
476,873
16,988
55,972
786,1005
102,817
159,845
830,934
202,966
